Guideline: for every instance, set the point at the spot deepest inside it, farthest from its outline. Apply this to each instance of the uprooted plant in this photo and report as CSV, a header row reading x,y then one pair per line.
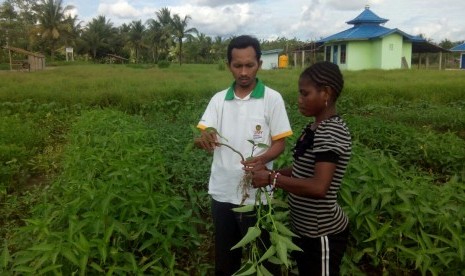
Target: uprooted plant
x,y
246,180
271,214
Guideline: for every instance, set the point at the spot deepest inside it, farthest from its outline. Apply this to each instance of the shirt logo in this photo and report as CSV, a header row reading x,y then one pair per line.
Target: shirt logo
x,y
258,133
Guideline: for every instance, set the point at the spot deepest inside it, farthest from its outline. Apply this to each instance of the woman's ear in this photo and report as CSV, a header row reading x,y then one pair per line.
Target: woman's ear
x,y
328,93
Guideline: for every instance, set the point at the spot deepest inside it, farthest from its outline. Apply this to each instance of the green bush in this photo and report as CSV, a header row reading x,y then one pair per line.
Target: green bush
x,y
112,210
423,147
222,65
401,221
403,190
164,64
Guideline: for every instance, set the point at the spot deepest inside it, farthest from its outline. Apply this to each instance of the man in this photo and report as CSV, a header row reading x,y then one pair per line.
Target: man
x,y
247,110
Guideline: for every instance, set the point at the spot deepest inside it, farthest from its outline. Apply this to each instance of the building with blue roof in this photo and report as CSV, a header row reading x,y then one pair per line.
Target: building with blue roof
x,y
369,45
460,49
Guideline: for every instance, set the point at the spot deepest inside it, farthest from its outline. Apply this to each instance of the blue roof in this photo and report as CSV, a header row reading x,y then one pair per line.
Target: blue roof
x,y
366,27
458,48
367,16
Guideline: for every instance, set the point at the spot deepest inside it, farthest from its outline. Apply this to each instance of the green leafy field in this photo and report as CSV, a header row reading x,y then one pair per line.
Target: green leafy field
x,y
97,173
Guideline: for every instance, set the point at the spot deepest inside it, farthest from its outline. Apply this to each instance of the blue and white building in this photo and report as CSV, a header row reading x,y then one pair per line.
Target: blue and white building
x,y
460,49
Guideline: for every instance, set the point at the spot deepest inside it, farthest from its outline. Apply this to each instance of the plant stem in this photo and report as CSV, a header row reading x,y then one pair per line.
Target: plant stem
x,y
233,149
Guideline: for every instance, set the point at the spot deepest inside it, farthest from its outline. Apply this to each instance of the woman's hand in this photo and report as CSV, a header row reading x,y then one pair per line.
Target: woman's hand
x,y
261,178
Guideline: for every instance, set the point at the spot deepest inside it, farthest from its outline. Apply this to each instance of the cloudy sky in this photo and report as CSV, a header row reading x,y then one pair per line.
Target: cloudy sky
x,y
305,20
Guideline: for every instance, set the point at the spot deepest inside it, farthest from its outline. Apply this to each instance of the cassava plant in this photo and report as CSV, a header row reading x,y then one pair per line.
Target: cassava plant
x,y
271,215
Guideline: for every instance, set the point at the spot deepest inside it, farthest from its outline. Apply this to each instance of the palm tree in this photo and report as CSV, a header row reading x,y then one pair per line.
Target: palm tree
x,y
204,47
74,30
165,20
52,23
136,36
219,48
154,33
8,18
98,35
181,31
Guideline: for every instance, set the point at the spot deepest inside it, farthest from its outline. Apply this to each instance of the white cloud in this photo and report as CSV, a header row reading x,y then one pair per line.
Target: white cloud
x,y
72,12
120,9
217,3
303,19
223,21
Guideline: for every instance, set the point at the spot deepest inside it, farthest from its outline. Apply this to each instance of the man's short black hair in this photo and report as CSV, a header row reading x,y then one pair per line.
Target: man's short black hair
x,y
242,42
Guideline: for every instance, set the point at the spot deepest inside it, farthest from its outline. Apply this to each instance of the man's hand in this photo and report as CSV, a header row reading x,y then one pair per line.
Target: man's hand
x,y
207,141
254,164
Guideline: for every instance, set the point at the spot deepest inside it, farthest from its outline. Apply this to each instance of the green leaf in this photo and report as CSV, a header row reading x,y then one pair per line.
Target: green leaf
x,y
213,130
264,271
188,148
275,260
83,264
147,244
42,247
49,268
252,233
148,265
23,268
269,252
279,203
244,209
83,243
69,255
281,249
194,129
248,269
289,244
262,145
378,233
284,230
96,267
5,258
108,233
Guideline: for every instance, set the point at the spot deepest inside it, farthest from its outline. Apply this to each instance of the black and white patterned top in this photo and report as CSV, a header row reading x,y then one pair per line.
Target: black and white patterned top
x,y
329,142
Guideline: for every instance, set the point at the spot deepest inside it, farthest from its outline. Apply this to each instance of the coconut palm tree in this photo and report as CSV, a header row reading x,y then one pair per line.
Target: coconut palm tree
x,y
204,43
8,18
180,31
98,34
165,20
136,36
154,33
219,48
74,30
52,22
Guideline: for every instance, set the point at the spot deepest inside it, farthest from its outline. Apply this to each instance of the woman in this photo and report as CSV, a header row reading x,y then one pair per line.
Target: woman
x,y
321,155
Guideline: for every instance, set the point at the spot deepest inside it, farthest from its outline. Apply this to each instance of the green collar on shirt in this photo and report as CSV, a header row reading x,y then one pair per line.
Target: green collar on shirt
x,y
257,93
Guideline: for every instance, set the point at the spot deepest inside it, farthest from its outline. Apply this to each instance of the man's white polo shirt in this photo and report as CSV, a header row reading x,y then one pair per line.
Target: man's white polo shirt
x,y
261,116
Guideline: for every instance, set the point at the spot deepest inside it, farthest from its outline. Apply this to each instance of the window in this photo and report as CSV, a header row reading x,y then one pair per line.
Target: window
x,y
335,53
343,54
391,47
328,53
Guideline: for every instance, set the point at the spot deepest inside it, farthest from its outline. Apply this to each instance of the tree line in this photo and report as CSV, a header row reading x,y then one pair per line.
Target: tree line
x,y
46,26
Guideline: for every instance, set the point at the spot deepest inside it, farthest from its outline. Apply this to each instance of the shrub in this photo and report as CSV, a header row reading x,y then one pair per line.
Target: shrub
x,y
400,221
222,65
163,64
112,210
